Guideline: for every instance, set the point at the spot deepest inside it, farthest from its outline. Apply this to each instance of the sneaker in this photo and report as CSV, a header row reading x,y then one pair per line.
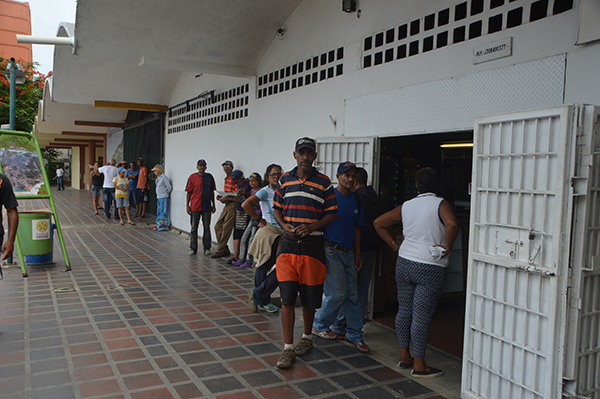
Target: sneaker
x,y
303,347
325,334
192,252
207,252
361,346
432,373
246,264
288,356
253,301
270,308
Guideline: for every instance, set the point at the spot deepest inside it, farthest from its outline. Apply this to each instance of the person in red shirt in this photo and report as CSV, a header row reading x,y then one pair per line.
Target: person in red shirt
x,y
224,225
200,203
143,187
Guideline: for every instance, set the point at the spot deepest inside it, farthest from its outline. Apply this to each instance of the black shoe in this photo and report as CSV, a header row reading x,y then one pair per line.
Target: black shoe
x,y
432,373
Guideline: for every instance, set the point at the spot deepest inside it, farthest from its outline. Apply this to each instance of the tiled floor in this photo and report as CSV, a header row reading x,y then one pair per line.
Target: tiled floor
x,y
139,318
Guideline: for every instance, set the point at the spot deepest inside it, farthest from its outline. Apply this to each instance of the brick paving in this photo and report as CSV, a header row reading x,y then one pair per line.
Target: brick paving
x,y
139,318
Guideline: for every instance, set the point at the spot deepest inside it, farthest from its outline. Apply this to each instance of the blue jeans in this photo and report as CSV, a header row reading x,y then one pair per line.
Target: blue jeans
x,y
59,183
363,283
247,238
109,198
162,207
340,291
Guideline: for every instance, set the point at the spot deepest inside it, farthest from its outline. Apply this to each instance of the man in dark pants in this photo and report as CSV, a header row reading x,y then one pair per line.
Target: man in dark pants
x,y
369,245
7,198
200,203
343,260
304,204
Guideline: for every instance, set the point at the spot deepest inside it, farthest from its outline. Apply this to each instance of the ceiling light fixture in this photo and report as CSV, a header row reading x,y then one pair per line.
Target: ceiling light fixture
x,y
456,145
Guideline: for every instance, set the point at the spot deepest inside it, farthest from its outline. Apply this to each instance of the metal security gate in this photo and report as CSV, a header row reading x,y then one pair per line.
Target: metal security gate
x,y
362,151
518,260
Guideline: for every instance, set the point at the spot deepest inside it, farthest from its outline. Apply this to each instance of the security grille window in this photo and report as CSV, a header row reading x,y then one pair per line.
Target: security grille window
x,y
229,105
322,67
467,20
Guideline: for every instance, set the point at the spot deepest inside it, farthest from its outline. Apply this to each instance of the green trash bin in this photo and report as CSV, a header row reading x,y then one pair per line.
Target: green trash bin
x,y
35,233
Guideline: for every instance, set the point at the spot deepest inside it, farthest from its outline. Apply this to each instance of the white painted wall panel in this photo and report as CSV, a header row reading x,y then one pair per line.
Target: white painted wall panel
x,y
453,104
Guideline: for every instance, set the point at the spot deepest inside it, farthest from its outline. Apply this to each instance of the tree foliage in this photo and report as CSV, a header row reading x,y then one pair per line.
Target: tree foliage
x,y
50,154
28,94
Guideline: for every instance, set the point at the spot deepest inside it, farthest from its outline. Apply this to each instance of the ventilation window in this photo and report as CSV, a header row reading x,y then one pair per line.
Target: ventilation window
x,y
460,11
307,79
315,62
300,81
288,71
459,35
367,61
379,39
287,84
323,75
331,56
442,39
270,77
444,17
389,55
428,44
340,53
276,75
368,43
308,64
294,69
315,77
402,32
514,18
329,72
413,48
476,7
389,35
281,75
378,58
323,59
475,29
260,81
275,89
561,6
339,69
281,86
429,22
300,67
495,23
496,3
539,10
401,52
415,27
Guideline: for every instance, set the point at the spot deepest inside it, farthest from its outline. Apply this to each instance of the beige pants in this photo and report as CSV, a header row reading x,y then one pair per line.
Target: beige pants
x,y
224,226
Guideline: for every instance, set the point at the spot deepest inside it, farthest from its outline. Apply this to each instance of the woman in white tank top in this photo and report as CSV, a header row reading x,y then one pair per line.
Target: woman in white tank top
x,y
429,227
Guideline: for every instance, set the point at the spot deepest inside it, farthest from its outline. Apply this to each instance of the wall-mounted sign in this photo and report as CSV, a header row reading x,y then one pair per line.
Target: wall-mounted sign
x,y
492,51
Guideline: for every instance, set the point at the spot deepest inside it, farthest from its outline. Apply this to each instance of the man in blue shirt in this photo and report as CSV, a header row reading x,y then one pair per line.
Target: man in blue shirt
x,y
343,260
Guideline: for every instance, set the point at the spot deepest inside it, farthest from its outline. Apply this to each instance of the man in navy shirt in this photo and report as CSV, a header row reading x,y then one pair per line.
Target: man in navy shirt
x,y
343,260
200,203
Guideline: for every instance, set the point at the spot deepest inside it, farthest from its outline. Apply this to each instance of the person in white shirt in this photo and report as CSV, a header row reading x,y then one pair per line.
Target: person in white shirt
x,y
429,227
108,190
59,178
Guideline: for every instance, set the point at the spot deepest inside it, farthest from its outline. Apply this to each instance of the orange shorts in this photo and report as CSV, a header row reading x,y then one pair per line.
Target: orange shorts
x,y
301,269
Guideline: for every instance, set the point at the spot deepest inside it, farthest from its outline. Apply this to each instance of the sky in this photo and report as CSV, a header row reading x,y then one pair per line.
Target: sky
x,y
45,17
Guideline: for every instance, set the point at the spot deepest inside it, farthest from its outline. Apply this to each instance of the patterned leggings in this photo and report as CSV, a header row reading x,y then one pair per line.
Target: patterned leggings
x,y
419,289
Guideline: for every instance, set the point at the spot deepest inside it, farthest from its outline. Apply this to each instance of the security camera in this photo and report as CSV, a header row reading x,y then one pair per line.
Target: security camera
x,y
280,32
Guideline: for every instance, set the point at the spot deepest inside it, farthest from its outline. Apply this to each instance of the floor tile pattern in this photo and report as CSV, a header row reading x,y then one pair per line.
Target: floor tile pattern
x,y
139,318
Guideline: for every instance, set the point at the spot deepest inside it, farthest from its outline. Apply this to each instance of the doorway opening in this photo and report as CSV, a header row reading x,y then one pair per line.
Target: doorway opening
x,y
401,157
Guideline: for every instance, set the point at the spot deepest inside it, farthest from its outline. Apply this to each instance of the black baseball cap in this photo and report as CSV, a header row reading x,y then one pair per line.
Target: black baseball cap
x,y
306,142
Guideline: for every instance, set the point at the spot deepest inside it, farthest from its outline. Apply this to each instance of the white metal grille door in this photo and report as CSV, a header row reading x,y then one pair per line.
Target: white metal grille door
x,y
362,151
518,255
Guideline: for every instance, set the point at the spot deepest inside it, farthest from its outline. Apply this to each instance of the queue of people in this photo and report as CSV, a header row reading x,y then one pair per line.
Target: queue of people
x,y
306,237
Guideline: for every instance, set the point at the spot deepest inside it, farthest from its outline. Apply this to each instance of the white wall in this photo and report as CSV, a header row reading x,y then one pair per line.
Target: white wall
x,y
274,122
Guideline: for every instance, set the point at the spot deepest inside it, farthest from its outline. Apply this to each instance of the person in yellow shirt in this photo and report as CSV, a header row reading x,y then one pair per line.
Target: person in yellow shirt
x,y
121,185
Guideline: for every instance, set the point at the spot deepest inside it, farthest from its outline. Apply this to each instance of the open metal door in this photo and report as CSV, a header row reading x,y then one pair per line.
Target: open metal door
x,y
519,255
362,151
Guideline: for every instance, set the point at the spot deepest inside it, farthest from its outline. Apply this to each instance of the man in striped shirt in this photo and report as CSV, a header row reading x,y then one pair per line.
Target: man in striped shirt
x,y
304,204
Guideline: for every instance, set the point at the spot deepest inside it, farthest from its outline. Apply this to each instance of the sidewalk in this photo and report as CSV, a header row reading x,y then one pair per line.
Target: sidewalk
x,y
139,318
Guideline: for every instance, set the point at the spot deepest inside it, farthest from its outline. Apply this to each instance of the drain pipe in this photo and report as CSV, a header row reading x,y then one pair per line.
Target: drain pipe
x,y
57,41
